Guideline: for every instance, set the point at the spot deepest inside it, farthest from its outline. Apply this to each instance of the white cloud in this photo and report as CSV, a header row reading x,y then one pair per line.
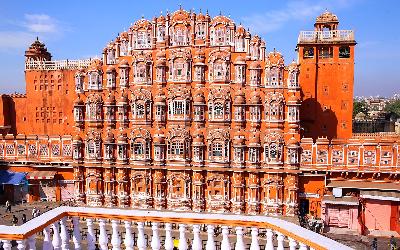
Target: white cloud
x,y
21,34
275,19
40,23
15,40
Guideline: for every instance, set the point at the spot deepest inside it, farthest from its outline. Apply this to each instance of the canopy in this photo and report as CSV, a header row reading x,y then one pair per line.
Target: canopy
x,y
41,175
12,178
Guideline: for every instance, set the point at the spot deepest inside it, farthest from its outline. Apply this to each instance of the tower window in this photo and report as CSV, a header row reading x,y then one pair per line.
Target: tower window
x,y
344,52
308,52
325,52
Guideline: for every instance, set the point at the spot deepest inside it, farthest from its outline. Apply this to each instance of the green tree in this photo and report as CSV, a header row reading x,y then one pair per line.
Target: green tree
x,y
360,106
393,107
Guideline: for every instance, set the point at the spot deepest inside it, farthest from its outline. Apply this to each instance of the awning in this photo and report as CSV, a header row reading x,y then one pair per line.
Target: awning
x,y
12,178
345,200
364,185
380,195
41,175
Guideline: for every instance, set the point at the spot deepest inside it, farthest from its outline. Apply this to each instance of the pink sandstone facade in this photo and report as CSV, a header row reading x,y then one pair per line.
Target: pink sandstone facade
x,y
190,112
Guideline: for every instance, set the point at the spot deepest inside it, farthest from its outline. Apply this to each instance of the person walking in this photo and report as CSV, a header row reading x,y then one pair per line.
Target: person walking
x,y
23,218
374,244
14,220
8,206
393,243
34,211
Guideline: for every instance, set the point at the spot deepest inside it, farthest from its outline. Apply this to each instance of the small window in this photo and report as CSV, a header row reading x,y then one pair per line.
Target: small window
x,y
344,52
308,52
325,52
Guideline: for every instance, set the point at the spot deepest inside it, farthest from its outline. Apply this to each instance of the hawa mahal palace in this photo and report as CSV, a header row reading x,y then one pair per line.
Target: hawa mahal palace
x,y
190,112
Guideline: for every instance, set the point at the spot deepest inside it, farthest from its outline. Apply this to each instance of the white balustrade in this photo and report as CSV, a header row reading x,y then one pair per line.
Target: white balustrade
x,y
196,244
61,240
115,239
182,237
103,238
270,240
280,239
141,241
210,238
32,242
254,239
239,239
6,244
21,244
155,239
292,244
76,238
56,236
64,234
91,237
225,245
47,245
169,243
128,241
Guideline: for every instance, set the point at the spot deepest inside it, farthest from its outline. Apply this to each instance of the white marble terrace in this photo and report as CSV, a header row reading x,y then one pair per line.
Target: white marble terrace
x,y
106,228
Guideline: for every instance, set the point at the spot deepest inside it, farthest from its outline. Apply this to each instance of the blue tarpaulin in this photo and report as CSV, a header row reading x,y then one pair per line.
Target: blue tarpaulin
x,y
12,178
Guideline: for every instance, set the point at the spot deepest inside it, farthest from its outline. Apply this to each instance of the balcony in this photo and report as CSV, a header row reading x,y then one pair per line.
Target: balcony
x,y
326,36
56,65
109,228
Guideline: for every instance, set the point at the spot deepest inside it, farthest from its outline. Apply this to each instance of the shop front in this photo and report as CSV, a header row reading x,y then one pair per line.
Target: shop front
x,y
340,214
12,186
66,189
42,186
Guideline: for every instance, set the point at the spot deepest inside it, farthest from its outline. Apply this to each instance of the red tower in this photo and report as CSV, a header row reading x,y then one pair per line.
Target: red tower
x,y
326,57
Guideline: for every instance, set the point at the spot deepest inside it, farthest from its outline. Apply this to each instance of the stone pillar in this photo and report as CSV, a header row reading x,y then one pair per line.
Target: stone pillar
x,y
90,238
280,239
169,244
270,240
210,238
239,239
32,242
56,237
21,244
115,239
254,239
292,244
182,237
6,244
128,241
103,239
225,245
141,241
64,234
76,238
47,245
196,244
155,239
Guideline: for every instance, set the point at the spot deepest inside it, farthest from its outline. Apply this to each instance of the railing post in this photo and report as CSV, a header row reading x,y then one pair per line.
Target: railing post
x,y
64,234
280,239
141,241
128,241
254,239
90,238
6,244
155,239
292,244
115,239
56,236
303,246
270,240
182,237
239,239
32,242
196,244
46,239
225,245
21,244
76,238
103,239
169,244
210,238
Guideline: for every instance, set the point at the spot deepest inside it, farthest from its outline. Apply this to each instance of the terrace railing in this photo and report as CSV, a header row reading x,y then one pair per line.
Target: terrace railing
x,y
326,36
57,65
108,228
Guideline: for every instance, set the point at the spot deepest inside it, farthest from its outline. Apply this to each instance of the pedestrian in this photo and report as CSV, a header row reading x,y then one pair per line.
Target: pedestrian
x,y
14,220
393,243
374,244
37,213
23,218
34,212
8,206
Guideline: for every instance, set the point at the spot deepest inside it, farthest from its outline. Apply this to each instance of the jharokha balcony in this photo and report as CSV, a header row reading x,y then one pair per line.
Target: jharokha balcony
x,y
105,228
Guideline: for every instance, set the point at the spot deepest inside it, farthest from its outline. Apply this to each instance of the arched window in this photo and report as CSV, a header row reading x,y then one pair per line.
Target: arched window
x,y
79,79
178,145
94,108
141,105
95,80
218,145
93,147
219,105
124,77
274,107
219,63
293,80
110,78
143,40
160,33
200,31
123,48
111,55
180,36
273,148
178,103
142,74
140,145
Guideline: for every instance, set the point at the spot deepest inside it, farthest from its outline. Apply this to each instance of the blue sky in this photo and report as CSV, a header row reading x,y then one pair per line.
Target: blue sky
x,y
80,29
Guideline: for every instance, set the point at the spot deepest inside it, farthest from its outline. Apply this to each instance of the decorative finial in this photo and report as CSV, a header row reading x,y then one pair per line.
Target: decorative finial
x,y
220,12
180,6
142,16
37,38
200,11
207,12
